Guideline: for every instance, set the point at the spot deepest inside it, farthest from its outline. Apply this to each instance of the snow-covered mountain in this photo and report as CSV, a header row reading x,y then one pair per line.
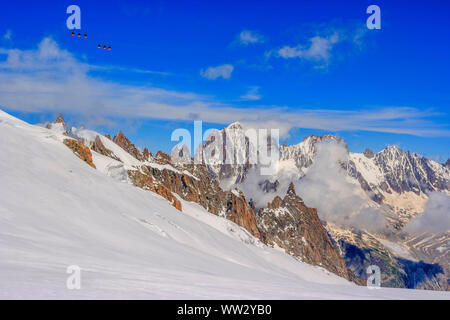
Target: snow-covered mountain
x,y
67,199
379,193
400,181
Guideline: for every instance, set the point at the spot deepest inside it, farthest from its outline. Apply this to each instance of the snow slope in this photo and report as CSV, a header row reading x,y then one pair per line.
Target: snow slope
x,y
56,211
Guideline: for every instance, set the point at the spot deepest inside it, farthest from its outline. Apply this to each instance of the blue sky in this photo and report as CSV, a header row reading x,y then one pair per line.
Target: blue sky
x,y
306,67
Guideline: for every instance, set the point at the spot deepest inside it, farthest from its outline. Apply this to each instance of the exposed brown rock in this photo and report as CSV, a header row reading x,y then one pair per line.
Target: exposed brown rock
x,y
108,136
141,180
80,150
291,225
369,153
166,193
60,119
99,147
122,141
241,213
276,203
146,182
162,157
146,154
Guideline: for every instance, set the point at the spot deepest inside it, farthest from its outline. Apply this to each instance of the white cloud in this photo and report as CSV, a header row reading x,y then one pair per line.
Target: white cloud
x,y
328,42
252,94
327,187
212,73
50,79
319,49
247,37
436,216
7,35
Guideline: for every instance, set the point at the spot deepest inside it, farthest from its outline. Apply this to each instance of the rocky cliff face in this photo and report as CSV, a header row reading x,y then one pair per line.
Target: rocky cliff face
x,y
99,147
146,182
289,224
126,145
80,150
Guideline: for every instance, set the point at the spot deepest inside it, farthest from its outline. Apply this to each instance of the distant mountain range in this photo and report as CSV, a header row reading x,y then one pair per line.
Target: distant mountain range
x,y
321,172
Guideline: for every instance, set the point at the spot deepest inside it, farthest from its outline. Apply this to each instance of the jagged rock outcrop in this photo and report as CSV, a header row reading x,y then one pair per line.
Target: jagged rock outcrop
x,y
289,224
146,182
58,125
146,154
122,141
162,158
369,153
61,120
447,164
83,152
99,147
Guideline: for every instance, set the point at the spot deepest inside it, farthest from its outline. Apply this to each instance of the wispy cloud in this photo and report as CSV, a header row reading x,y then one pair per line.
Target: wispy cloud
x,y
435,217
319,49
247,37
126,69
212,73
50,79
326,43
8,35
252,94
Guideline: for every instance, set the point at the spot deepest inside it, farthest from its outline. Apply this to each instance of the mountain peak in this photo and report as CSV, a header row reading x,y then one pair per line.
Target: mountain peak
x,y
60,119
447,164
369,153
393,148
235,126
58,125
122,141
